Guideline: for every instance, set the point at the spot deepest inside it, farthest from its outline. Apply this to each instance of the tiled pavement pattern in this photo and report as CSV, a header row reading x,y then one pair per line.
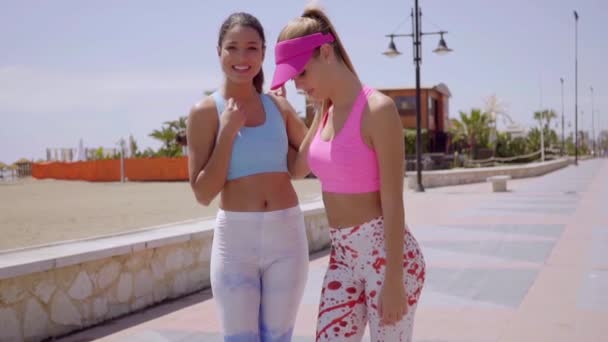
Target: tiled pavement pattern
x,y
527,265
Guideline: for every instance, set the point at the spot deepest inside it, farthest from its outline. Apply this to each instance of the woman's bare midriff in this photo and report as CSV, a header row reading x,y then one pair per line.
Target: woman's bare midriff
x,y
261,192
347,210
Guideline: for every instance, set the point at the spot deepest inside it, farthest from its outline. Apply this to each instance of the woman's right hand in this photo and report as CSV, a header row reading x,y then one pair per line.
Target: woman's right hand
x,y
281,92
233,118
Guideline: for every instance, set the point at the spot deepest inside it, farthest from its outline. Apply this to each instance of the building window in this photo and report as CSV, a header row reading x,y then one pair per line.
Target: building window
x,y
406,105
432,113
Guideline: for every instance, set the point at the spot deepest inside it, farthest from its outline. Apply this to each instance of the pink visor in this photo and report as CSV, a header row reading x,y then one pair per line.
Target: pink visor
x,y
292,55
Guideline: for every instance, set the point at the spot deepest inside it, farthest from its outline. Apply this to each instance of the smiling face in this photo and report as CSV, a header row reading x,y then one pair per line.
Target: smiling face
x,y
241,46
241,53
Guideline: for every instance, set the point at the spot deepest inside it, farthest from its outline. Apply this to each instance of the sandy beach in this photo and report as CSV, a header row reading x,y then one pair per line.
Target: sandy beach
x,y
35,212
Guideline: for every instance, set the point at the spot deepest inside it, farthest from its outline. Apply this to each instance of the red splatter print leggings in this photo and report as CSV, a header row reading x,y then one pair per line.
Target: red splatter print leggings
x,y
349,299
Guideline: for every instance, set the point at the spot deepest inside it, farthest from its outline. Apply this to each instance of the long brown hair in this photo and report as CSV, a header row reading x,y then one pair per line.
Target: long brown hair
x,y
246,20
314,20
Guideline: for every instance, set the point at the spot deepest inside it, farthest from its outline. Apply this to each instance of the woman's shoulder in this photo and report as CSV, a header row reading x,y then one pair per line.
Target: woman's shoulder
x,y
380,104
204,110
382,115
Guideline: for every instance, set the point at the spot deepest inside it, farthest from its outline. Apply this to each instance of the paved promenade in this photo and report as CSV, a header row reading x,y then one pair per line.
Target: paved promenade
x,y
527,265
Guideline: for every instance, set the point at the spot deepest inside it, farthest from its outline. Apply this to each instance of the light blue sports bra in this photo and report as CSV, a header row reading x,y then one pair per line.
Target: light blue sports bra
x,y
258,149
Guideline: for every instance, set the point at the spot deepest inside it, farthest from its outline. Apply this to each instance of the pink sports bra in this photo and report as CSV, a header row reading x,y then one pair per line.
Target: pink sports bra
x,y
345,164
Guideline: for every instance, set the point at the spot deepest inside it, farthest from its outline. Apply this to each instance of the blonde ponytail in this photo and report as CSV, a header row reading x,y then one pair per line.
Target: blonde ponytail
x,y
314,20
325,26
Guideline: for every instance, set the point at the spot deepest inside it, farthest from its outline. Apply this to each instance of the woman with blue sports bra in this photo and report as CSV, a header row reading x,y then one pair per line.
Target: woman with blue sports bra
x,y
241,145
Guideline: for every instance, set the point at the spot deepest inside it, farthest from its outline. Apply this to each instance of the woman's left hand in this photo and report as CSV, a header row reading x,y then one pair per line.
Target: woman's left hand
x,y
392,302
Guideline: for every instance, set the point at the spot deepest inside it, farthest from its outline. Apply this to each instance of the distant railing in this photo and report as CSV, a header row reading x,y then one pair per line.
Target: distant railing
x,y
549,154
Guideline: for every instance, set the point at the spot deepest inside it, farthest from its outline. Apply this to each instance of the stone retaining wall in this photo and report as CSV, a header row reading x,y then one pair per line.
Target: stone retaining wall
x,y
431,179
53,290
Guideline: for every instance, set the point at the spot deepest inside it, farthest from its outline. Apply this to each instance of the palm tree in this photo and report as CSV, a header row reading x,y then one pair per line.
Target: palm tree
x,y
473,128
544,117
177,125
133,148
168,136
458,133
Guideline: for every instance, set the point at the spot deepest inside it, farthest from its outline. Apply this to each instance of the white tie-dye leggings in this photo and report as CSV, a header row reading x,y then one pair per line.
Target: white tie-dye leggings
x,y
259,267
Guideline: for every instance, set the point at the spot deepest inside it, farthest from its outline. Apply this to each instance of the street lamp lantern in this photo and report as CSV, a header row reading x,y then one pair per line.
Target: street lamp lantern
x,y
392,51
442,48
392,48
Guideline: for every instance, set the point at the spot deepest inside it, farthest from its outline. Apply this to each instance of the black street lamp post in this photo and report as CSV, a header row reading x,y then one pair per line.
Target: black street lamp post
x,y
563,138
592,121
417,44
575,88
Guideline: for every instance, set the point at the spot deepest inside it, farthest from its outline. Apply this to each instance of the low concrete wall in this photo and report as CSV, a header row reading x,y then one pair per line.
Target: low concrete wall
x,y
56,289
431,179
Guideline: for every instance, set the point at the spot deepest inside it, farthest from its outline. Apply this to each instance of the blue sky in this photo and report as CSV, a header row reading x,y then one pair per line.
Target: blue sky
x,y
101,70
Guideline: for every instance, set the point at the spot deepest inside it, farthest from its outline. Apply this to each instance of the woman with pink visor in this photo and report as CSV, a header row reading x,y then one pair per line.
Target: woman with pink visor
x,y
238,140
355,147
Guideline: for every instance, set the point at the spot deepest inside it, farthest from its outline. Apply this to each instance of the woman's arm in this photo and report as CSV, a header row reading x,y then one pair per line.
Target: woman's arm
x,y
210,147
387,140
299,138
